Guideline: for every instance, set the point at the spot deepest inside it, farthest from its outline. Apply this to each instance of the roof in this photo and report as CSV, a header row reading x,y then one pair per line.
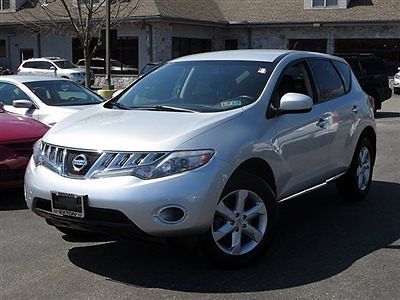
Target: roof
x,y
237,11
251,55
28,78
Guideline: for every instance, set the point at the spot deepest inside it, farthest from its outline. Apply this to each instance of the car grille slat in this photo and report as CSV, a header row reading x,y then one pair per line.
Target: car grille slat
x,y
83,164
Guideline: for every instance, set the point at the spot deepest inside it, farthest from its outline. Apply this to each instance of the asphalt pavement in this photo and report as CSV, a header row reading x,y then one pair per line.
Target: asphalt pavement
x,y
325,248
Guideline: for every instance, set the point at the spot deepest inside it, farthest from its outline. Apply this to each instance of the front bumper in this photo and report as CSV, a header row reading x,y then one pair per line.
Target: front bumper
x,y
196,192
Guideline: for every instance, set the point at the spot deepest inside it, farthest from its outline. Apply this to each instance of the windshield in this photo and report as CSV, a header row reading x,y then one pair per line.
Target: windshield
x,y
64,64
62,93
205,86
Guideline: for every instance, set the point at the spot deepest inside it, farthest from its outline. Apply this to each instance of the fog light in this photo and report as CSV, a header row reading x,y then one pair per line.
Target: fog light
x,y
171,214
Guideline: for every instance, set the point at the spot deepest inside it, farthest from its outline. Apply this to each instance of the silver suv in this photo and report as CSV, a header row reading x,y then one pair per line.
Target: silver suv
x,y
54,66
208,145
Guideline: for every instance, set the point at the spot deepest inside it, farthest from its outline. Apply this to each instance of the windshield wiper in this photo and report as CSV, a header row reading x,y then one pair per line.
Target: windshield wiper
x,y
163,108
119,105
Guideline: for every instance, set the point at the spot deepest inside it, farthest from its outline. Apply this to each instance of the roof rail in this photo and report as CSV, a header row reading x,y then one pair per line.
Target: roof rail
x,y
354,54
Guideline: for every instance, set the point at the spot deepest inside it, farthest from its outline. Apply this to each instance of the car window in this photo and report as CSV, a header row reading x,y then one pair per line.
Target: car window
x,y
204,86
345,72
10,92
29,64
294,79
44,65
330,84
62,93
64,64
373,66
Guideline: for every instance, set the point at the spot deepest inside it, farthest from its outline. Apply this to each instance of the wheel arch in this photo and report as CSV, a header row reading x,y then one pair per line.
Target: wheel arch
x,y
260,168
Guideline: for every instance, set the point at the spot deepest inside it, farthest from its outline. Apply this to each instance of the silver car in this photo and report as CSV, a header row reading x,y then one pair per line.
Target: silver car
x,y
46,99
208,145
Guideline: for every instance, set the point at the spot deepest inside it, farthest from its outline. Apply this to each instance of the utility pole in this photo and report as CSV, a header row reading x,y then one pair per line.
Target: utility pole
x,y
108,86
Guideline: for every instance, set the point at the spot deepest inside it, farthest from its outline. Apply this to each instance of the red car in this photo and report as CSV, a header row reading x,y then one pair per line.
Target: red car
x,y
17,136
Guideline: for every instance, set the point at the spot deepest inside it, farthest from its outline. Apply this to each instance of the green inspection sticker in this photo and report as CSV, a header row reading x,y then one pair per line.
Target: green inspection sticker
x,y
231,103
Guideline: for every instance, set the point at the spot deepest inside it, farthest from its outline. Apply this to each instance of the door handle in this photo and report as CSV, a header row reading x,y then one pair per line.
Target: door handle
x,y
355,109
322,122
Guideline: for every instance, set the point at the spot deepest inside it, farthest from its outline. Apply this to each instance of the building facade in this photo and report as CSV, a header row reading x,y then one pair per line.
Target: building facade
x,y
160,30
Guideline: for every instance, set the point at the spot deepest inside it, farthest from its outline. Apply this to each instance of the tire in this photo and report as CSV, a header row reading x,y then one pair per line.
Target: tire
x,y
235,239
354,186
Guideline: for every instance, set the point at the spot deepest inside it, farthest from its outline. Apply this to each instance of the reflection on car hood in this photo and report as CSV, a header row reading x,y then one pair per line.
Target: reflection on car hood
x,y
99,128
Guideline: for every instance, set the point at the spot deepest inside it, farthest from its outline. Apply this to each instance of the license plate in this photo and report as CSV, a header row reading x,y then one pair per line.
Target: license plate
x,y
68,204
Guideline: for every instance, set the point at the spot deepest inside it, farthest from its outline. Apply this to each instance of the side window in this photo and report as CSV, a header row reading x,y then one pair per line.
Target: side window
x,y
45,65
344,72
10,92
330,84
294,79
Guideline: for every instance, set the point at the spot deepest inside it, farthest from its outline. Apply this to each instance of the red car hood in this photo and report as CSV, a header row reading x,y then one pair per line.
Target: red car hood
x,y
15,127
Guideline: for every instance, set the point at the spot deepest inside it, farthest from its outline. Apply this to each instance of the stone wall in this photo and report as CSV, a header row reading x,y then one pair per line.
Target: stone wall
x,y
119,81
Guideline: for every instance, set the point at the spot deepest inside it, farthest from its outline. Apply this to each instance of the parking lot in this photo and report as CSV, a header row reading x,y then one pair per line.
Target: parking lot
x,y
325,248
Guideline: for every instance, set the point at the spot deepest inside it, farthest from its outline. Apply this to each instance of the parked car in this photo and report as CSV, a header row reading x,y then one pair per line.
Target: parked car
x,y
397,83
98,66
208,145
4,71
150,67
46,99
54,66
17,136
372,75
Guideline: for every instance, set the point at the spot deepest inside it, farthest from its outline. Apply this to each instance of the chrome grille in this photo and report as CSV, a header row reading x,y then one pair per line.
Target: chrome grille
x,y
59,159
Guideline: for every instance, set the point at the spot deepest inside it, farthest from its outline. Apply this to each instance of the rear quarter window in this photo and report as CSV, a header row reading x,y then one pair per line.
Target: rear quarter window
x,y
345,73
330,84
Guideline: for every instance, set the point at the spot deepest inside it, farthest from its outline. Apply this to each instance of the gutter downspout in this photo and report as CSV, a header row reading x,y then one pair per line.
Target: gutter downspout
x,y
149,30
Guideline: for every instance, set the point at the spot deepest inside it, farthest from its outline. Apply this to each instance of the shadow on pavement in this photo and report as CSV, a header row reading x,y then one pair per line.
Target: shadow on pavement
x,y
386,115
319,236
12,199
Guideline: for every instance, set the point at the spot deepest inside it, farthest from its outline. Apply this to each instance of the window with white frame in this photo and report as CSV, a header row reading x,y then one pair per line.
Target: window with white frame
x,y
5,4
324,3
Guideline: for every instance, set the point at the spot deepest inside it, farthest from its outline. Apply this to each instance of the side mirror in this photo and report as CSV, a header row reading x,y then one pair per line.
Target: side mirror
x,y
23,104
398,69
53,68
1,107
294,103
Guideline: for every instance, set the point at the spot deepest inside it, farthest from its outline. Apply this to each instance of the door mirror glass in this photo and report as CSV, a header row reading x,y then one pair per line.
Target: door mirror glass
x,y
23,104
294,103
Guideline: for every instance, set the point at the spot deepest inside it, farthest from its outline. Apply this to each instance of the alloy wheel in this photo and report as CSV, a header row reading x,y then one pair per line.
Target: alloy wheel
x,y
363,168
240,222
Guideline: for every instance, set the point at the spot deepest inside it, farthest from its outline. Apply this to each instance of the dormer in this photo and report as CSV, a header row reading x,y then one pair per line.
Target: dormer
x,y
324,4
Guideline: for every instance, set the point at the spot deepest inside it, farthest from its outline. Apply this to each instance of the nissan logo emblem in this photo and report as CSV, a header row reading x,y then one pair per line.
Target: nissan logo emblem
x,y
79,162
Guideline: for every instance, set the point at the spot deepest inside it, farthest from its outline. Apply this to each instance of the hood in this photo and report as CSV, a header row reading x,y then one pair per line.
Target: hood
x,y
99,128
55,114
15,127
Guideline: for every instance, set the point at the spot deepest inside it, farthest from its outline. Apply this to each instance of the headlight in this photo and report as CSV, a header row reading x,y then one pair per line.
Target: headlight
x,y
37,153
174,163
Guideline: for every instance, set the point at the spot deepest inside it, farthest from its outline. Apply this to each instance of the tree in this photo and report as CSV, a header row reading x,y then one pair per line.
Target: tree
x,y
86,19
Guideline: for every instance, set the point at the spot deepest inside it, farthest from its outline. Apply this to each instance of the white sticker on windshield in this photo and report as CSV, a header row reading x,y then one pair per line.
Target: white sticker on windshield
x,y
262,71
231,103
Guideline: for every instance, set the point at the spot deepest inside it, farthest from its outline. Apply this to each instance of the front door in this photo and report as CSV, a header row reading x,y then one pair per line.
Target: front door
x,y
302,140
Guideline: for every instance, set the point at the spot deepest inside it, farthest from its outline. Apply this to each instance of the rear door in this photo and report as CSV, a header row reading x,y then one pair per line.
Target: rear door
x,y
334,98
